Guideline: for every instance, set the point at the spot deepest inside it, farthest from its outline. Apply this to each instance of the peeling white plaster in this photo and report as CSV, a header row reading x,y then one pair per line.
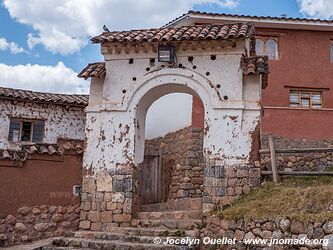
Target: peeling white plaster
x,y
60,122
115,127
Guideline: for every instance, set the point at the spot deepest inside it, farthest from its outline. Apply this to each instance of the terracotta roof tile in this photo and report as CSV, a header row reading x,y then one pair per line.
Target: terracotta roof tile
x,y
256,65
290,19
28,95
49,149
93,70
261,17
194,32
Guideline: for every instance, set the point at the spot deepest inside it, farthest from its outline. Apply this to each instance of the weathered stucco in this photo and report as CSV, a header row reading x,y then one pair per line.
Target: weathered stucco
x,y
60,121
117,120
116,116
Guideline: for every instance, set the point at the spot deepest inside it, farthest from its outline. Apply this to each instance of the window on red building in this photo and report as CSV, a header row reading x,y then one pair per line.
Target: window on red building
x,y
331,52
267,46
306,99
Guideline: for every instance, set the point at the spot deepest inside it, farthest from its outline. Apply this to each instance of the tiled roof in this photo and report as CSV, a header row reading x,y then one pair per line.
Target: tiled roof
x,y
194,32
27,95
41,149
93,70
256,65
290,19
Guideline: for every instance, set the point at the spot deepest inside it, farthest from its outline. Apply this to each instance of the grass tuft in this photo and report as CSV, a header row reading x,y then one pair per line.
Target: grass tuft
x,y
303,198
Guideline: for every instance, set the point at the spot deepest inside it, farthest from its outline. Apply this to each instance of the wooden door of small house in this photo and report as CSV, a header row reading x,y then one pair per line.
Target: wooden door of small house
x,y
152,179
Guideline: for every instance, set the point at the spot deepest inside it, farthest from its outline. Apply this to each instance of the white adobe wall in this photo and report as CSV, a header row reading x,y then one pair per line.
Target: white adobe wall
x,y
115,124
60,122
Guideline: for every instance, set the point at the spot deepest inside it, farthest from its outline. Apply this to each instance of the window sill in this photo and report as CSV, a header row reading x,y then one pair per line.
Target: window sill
x,y
303,109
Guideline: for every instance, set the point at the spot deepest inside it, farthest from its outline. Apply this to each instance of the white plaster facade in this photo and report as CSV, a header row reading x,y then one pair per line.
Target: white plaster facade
x,y
118,104
60,121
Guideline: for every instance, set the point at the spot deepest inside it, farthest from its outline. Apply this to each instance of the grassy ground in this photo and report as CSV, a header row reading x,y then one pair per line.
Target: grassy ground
x,y
304,198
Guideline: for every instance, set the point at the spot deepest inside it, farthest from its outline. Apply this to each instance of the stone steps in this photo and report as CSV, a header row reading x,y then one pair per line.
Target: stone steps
x,y
170,215
174,205
133,231
123,238
170,224
187,220
137,238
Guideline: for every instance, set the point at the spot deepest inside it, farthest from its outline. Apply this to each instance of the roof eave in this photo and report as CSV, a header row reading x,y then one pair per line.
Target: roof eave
x,y
261,23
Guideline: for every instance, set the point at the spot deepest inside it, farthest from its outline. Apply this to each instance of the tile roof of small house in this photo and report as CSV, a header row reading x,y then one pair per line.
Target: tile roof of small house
x,y
93,70
25,151
256,65
41,97
287,19
193,33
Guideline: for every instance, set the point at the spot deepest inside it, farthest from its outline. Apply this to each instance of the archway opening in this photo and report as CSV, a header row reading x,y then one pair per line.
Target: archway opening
x,y
171,123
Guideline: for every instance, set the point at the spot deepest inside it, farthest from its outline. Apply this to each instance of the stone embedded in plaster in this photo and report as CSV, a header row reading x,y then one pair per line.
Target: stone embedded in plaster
x,y
85,224
96,226
107,217
94,216
88,184
118,198
103,181
127,208
214,171
122,183
122,218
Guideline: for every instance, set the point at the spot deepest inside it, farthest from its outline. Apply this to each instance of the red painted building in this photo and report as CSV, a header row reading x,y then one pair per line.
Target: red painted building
x,y
298,101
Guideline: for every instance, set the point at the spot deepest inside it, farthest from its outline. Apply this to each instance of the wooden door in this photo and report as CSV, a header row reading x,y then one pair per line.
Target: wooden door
x,y
151,186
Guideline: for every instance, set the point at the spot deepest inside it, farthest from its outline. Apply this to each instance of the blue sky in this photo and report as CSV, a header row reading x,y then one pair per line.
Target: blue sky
x,y
43,27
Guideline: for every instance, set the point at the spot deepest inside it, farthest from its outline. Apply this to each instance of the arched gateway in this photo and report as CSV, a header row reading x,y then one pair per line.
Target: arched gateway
x,y
215,63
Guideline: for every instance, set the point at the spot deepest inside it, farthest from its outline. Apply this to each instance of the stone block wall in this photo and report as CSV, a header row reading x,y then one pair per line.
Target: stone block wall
x,y
106,201
299,161
286,142
110,198
278,228
224,184
38,222
194,176
303,161
181,153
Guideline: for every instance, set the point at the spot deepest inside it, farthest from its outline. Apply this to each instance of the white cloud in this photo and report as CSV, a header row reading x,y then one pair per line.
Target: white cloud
x,y
11,46
64,26
36,77
317,8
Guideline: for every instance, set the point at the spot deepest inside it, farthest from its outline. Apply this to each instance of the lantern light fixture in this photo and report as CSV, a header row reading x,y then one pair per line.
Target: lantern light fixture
x,y
166,53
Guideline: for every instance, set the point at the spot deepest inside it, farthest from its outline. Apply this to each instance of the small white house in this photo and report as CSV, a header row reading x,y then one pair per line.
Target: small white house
x,y
28,117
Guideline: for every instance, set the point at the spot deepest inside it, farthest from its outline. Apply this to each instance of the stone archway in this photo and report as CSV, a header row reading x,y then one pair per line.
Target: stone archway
x,y
184,198
218,66
115,145
162,82
162,171
115,141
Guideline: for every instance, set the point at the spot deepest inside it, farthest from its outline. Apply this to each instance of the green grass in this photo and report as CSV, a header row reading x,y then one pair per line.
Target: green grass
x,y
329,169
304,198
